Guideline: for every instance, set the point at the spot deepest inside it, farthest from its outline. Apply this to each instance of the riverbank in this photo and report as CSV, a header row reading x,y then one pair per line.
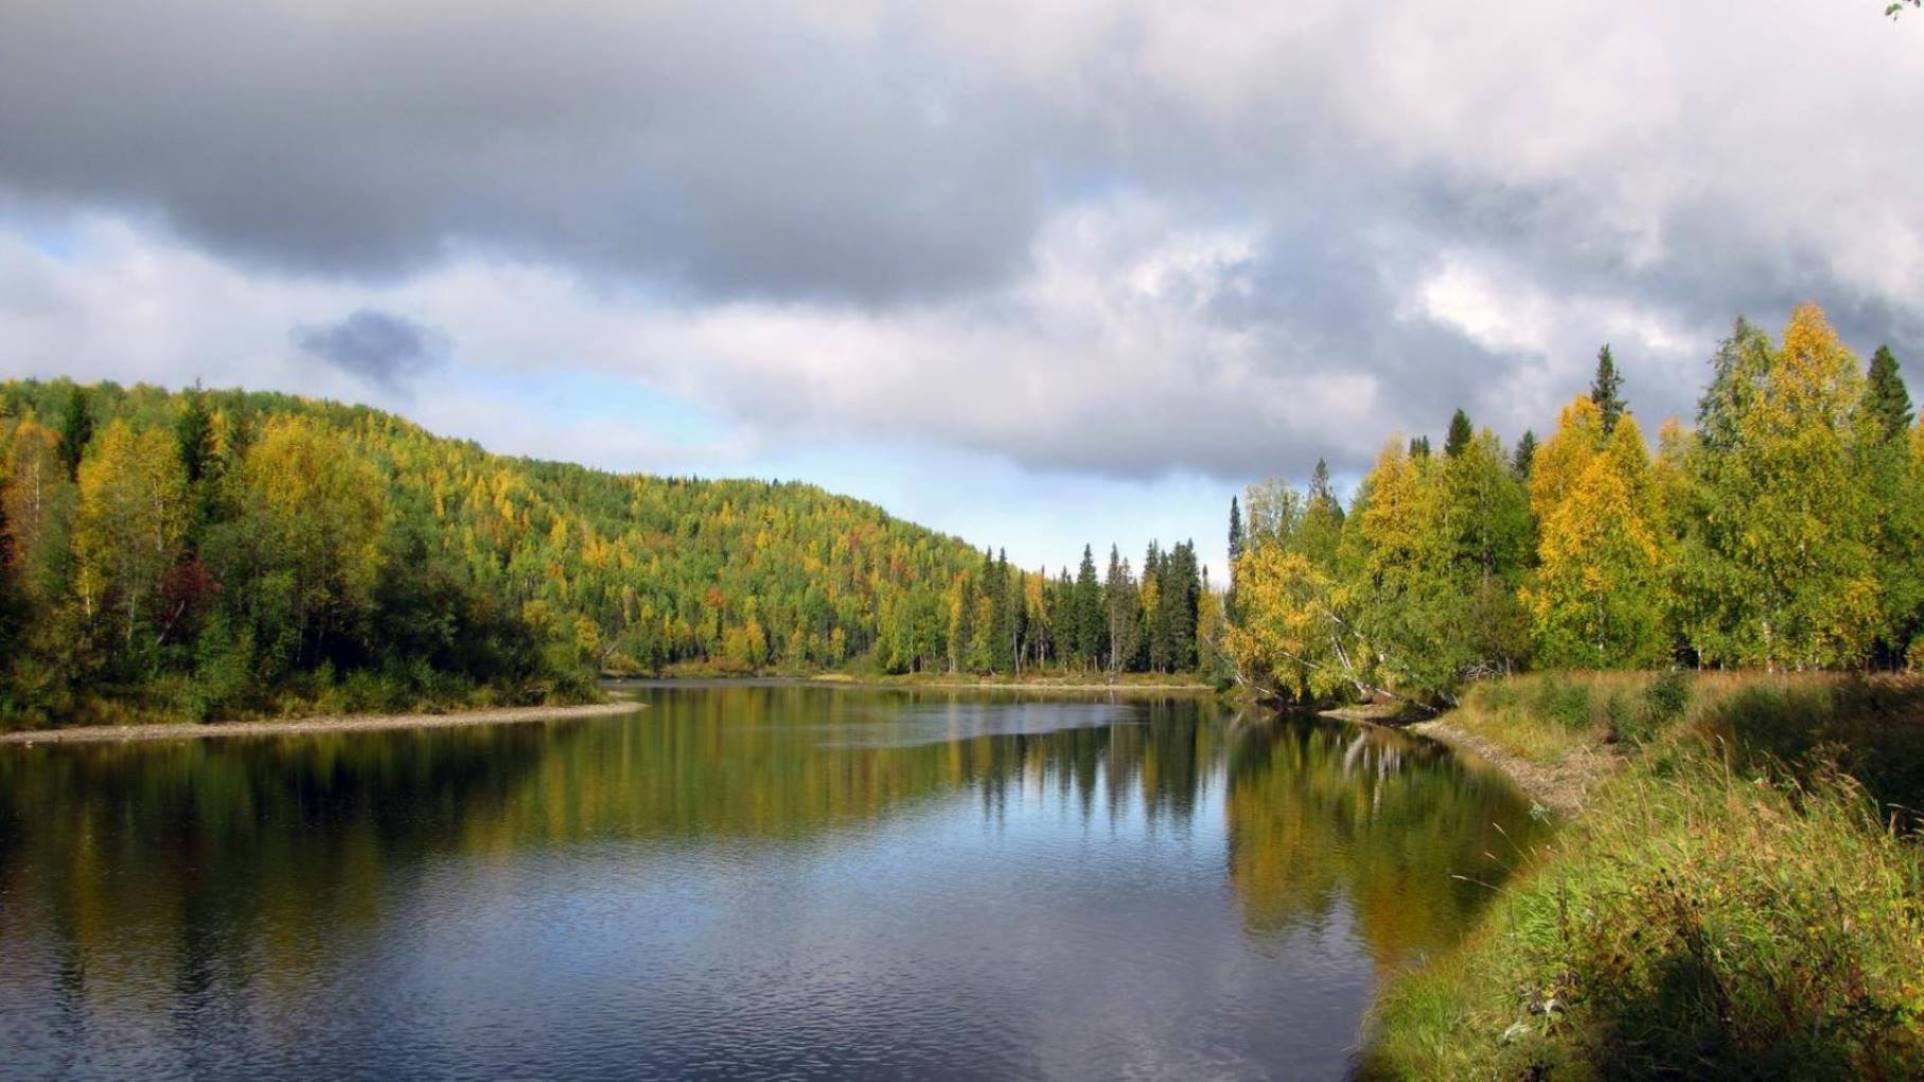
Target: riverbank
x,y
1738,889
99,734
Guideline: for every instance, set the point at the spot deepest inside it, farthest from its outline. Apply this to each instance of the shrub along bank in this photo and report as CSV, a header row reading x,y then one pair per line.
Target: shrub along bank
x,y
1742,897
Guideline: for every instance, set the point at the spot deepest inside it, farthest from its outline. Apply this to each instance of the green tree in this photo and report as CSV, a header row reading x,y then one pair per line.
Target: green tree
x,y
1460,435
1886,400
1235,549
1896,500
76,430
313,519
132,513
1523,459
1606,390
1123,605
1780,558
1089,617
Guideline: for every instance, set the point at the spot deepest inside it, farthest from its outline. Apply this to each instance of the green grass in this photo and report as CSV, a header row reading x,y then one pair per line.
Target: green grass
x,y
1744,898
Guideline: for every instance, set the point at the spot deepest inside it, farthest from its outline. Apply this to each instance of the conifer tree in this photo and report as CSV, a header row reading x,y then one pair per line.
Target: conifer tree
x,y
1320,531
1523,459
1235,548
1886,400
76,431
194,433
1089,617
1606,390
1460,434
1900,537
1121,606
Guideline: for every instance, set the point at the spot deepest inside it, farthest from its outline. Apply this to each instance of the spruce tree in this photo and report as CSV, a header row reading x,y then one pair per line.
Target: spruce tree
x,y
1460,434
1235,531
194,433
1524,460
1235,550
1120,605
76,431
1889,474
1088,610
1606,390
1885,398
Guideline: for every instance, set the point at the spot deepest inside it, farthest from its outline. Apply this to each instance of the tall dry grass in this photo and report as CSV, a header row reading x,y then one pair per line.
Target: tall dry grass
x,y
1744,899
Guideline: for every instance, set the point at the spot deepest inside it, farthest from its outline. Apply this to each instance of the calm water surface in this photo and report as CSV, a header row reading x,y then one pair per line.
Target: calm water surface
x,y
736,882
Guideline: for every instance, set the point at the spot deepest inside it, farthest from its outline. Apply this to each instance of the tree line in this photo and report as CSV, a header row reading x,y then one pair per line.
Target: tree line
x,y
997,619
211,553
1783,530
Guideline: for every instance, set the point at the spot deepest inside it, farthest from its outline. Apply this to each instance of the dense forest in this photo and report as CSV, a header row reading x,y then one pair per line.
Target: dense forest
x,y
215,553
1783,531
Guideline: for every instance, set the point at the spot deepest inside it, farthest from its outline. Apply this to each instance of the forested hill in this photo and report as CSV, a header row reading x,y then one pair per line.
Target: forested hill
x,y
215,553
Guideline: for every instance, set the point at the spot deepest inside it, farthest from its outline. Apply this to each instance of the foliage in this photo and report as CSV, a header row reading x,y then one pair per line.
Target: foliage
x,y
1735,904
214,553
1784,531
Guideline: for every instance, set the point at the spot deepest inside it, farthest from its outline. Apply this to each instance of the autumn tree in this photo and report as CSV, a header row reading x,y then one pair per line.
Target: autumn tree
x,y
38,495
1781,554
132,512
314,512
1597,594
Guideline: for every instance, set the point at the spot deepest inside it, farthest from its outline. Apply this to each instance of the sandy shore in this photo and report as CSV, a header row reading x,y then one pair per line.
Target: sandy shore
x,y
96,734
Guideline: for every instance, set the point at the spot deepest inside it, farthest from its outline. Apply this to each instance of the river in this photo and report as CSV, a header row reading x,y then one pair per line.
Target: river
x,y
739,881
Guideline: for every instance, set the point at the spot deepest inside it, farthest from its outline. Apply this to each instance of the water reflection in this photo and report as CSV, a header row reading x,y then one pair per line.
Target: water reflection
x,y
745,878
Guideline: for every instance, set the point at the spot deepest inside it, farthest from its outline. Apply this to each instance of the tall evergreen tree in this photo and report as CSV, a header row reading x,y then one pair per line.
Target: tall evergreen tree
x,y
194,433
1460,434
1606,390
1524,458
1089,617
1886,400
1419,447
1121,608
1235,530
1890,477
1320,532
76,431
1236,542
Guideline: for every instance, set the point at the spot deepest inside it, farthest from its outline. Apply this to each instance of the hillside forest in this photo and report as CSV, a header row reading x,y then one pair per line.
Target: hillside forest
x,y
209,554
1783,530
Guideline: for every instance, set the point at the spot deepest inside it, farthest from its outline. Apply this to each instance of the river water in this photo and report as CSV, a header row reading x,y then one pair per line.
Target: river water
x,y
741,881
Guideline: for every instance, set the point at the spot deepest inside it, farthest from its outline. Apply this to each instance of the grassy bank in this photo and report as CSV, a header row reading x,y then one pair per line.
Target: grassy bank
x,y
1741,895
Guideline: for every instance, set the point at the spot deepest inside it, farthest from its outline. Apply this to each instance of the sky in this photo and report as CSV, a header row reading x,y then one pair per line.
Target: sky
x,y
1035,272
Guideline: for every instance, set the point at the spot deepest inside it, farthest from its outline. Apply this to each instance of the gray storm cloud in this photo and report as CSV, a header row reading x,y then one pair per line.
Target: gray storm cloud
x,y
1124,238
383,349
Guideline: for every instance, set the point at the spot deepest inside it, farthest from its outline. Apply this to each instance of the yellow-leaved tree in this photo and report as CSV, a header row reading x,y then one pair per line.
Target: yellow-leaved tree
x,y
314,509
1597,597
1781,551
38,499
132,513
